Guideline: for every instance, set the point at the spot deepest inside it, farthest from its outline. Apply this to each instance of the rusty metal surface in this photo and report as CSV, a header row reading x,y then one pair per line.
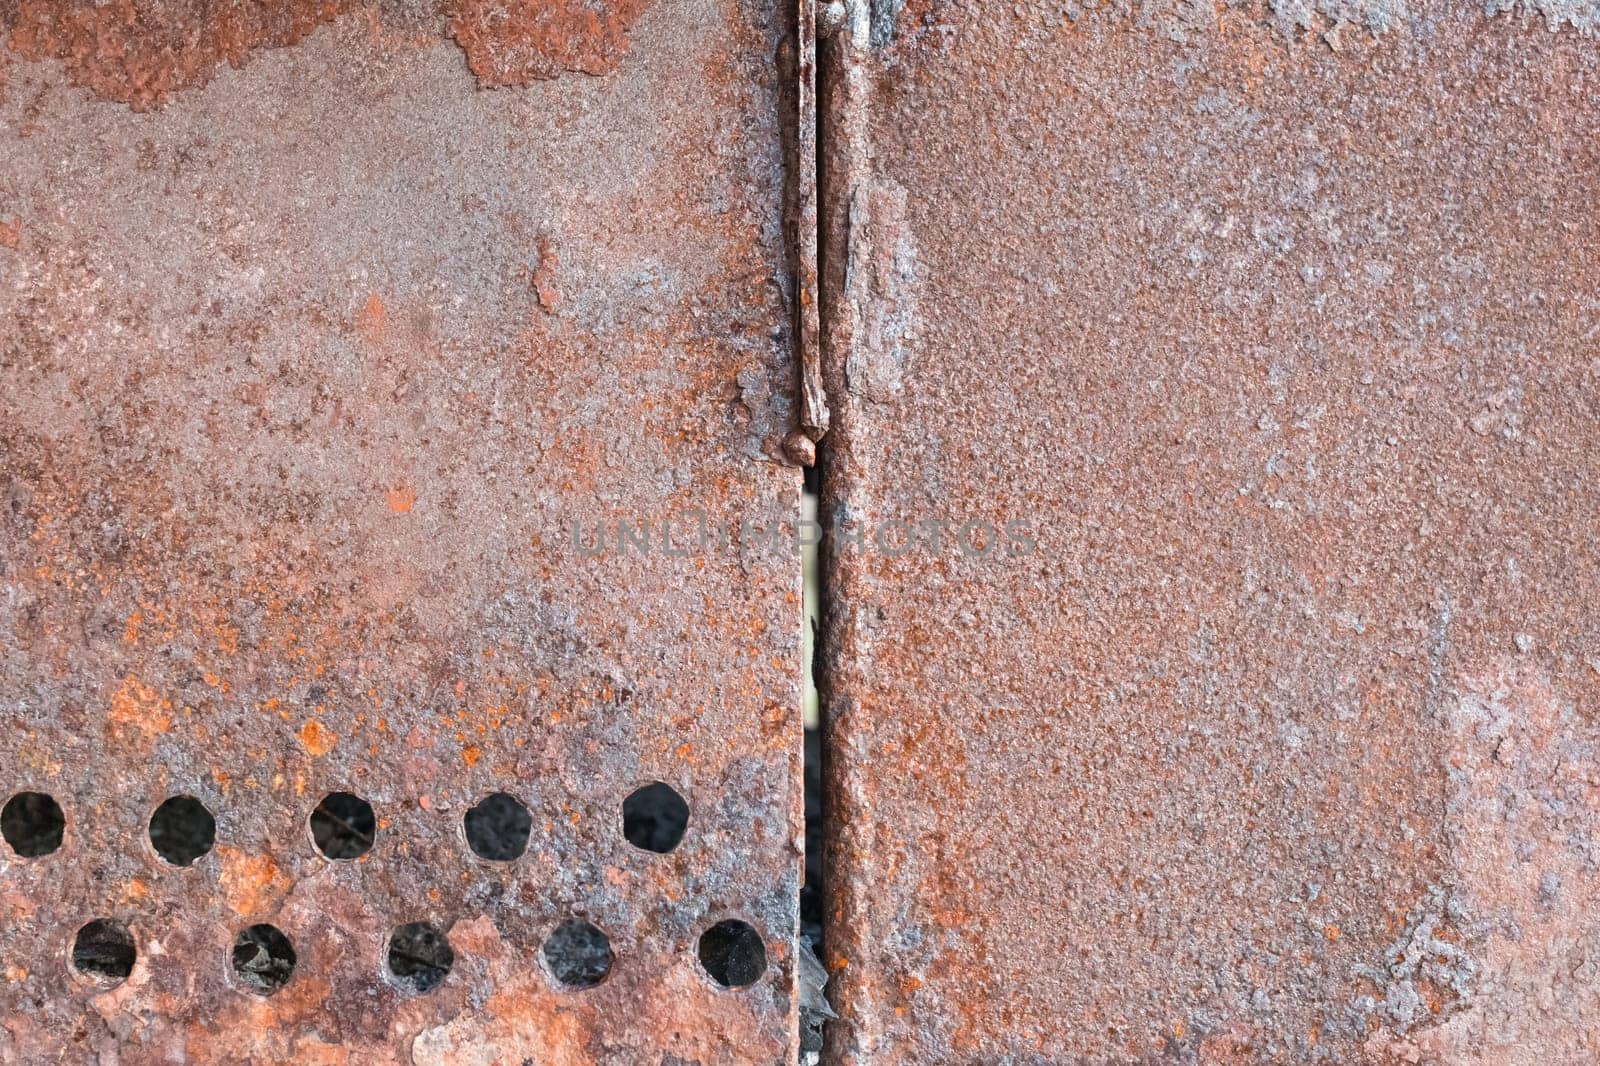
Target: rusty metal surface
x,y
141,51
1281,746
307,359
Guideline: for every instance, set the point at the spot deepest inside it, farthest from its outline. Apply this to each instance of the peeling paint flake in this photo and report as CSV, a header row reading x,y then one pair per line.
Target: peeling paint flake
x,y
1523,812
1581,15
140,52
512,43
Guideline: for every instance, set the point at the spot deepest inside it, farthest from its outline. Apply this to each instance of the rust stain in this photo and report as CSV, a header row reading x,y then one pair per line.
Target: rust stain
x,y
544,275
373,320
521,1021
140,52
251,884
10,232
309,1051
401,498
317,738
512,43
138,711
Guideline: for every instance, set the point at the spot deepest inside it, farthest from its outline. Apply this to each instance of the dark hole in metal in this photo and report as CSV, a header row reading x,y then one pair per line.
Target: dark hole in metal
x,y
498,827
182,830
654,817
263,959
419,957
343,826
32,824
103,951
578,954
733,954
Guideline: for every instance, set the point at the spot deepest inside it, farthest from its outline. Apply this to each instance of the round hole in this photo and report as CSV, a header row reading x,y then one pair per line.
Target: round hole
x,y
654,818
343,826
578,954
498,827
733,954
182,830
419,957
103,952
32,824
263,959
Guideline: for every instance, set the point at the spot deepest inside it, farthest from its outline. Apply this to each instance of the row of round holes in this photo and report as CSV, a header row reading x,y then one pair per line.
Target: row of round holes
x,y
344,826
577,954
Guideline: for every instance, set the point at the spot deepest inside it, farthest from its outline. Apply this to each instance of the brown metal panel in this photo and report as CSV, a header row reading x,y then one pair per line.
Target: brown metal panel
x,y
1279,337
320,324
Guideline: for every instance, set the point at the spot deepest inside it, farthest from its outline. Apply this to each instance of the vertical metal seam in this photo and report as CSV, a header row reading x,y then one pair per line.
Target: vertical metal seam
x,y
843,156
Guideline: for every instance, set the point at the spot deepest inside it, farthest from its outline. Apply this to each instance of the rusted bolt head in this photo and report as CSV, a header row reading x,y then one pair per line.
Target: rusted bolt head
x,y
800,448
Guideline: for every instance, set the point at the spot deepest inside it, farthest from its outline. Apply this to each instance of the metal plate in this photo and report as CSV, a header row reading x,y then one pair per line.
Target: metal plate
x,y
309,360
1282,343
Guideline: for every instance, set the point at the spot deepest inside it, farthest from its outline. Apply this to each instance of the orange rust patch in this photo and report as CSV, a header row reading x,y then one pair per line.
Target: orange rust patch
x,y
373,320
137,709
250,883
227,639
401,498
11,233
317,738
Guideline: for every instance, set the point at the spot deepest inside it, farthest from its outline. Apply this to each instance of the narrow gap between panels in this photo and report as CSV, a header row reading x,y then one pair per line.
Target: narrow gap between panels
x,y
812,977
